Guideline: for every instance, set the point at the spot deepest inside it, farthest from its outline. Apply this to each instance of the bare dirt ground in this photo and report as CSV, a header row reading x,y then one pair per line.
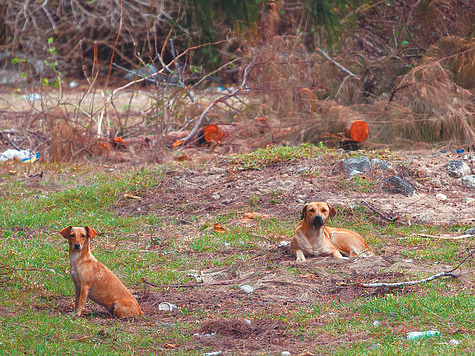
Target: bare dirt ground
x,y
199,192
282,188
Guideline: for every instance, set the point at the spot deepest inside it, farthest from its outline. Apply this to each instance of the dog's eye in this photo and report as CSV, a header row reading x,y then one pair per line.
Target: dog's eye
x,y
312,210
324,210
71,235
82,235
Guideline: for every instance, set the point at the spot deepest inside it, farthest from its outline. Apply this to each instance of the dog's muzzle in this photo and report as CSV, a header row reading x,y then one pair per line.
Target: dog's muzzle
x,y
317,221
77,246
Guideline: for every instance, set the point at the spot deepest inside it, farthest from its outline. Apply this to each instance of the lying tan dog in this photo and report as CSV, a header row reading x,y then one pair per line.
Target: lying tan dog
x,y
94,280
314,238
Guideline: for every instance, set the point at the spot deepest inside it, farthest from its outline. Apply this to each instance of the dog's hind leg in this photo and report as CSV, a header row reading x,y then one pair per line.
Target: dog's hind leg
x,y
126,309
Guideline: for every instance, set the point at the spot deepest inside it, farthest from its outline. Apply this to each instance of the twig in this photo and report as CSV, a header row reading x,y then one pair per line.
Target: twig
x,y
410,283
235,92
11,142
194,285
383,214
447,237
338,65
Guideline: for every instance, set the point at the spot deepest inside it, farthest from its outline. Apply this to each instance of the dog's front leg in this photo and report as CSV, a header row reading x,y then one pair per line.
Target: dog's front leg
x,y
82,300
77,293
300,256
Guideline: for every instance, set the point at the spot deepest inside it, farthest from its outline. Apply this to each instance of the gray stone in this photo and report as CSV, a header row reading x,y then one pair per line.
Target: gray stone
x,y
375,346
469,181
470,231
441,197
247,288
167,306
396,184
302,170
360,164
457,169
379,163
468,200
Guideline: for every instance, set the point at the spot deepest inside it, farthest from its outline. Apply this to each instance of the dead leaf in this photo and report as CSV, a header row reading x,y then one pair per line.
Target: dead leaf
x,y
255,215
178,143
219,228
130,196
183,157
250,218
170,346
12,173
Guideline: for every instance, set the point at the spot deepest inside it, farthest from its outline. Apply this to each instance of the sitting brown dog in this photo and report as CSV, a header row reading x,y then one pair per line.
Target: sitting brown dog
x,y
313,238
94,280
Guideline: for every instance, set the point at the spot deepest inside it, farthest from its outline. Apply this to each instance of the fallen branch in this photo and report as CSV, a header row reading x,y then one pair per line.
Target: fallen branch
x,y
194,285
235,92
383,214
338,65
410,283
446,237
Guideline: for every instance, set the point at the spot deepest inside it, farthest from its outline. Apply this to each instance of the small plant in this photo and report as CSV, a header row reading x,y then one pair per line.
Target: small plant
x,y
254,201
356,183
52,64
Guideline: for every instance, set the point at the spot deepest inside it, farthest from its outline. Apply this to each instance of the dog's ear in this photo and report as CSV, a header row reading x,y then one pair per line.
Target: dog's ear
x,y
332,211
304,212
66,231
90,232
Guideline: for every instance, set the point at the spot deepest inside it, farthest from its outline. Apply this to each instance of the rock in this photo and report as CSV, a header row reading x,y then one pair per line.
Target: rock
x,y
470,231
73,84
375,346
302,170
167,306
379,163
470,158
454,342
359,164
396,184
285,353
469,181
376,323
247,288
441,197
457,169
443,181
468,200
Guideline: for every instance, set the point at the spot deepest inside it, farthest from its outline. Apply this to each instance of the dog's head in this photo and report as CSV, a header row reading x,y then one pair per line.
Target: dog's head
x,y
317,213
78,236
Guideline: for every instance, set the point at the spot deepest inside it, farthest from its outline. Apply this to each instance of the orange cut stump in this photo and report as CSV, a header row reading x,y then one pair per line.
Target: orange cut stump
x,y
358,131
212,133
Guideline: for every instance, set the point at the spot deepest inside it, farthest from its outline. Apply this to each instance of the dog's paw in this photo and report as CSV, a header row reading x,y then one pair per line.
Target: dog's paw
x,y
300,257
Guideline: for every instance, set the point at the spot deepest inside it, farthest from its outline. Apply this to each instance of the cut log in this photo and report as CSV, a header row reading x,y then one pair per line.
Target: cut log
x,y
357,131
212,133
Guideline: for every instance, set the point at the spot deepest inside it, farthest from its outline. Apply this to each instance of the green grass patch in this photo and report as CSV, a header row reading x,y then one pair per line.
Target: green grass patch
x,y
264,157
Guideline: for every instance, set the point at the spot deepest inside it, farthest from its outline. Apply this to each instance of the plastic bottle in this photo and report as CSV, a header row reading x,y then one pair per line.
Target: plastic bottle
x,y
415,335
